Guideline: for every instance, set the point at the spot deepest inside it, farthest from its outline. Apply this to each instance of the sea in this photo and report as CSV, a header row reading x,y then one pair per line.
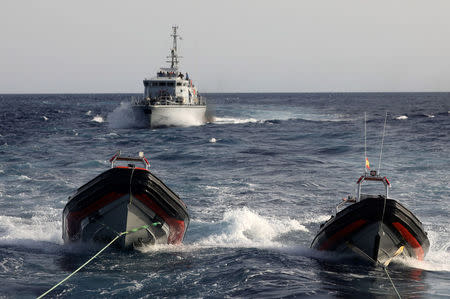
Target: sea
x,y
258,180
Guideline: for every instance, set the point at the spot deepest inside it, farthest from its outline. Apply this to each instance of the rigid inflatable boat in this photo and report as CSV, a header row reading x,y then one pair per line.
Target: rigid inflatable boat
x,y
375,228
123,199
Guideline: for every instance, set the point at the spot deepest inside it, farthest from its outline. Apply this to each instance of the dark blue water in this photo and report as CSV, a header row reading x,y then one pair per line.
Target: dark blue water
x,y
278,166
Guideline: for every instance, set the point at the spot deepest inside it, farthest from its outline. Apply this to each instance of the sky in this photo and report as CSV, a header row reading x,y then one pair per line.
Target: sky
x,y
109,46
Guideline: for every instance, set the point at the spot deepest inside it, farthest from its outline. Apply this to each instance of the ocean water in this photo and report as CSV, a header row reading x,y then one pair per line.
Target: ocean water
x,y
258,181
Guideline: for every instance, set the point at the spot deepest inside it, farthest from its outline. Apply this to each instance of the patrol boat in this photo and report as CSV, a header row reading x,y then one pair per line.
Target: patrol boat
x,y
374,228
126,198
170,98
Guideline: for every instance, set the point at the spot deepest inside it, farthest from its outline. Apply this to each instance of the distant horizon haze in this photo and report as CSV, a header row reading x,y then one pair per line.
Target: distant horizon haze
x,y
57,47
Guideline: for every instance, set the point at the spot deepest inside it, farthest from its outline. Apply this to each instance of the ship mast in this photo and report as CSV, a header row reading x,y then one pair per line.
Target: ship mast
x,y
174,58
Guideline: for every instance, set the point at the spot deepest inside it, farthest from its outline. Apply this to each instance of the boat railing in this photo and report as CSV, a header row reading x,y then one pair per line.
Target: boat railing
x,y
374,177
201,100
170,100
117,157
165,100
135,101
371,176
346,200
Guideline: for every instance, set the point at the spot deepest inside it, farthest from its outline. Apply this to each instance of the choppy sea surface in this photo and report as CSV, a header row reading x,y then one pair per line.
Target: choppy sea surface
x,y
258,181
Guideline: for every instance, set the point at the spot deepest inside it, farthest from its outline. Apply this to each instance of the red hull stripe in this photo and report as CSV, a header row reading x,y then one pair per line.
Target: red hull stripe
x,y
177,227
342,233
418,250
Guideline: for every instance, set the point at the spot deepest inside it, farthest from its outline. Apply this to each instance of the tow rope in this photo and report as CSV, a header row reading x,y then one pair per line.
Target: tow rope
x,y
98,253
384,266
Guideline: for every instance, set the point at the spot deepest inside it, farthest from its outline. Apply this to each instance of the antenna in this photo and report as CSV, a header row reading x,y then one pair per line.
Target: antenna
x,y
382,142
365,142
174,58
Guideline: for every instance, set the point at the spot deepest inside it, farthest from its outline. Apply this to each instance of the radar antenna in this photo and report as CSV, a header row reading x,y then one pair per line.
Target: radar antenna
x,y
174,58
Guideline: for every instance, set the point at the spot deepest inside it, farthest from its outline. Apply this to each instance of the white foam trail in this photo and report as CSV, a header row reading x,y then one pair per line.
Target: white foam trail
x,y
98,119
45,118
231,120
263,116
402,117
213,140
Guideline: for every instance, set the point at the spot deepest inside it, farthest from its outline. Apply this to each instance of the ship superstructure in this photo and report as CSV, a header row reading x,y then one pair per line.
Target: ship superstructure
x,y
170,98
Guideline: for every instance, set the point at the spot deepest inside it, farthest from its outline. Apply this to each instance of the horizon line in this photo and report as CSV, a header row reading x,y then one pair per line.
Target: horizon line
x,y
224,92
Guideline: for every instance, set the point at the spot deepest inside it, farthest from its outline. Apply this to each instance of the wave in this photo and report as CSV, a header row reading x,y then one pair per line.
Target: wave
x,y
31,232
246,228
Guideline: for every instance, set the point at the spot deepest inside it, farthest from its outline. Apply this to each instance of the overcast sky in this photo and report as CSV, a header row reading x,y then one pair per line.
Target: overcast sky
x,y
57,46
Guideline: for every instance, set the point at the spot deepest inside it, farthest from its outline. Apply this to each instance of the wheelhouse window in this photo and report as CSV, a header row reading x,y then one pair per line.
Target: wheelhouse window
x,y
162,83
170,83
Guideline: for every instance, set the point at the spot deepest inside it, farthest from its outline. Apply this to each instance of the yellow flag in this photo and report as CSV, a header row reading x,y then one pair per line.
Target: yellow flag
x,y
367,163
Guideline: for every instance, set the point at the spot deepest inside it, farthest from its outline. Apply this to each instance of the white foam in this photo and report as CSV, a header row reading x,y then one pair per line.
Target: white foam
x,y
402,117
36,228
239,228
88,113
212,187
45,118
231,120
98,119
268,115
213,140
246,228
438,257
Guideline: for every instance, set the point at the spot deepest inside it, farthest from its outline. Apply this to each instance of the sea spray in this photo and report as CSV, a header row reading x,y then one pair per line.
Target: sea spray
x,y
125,117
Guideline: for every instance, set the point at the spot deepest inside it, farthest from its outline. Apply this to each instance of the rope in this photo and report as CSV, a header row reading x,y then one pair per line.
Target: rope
x,y
363,254
98,253
393,285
